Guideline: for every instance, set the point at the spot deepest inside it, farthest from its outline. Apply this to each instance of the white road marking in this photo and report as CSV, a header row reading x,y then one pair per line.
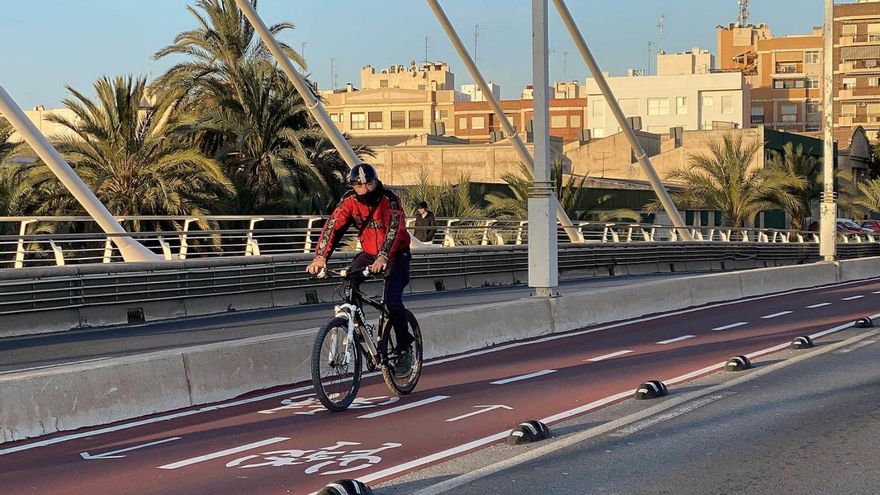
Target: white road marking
x,y
876,292
774,315
732,325
608,356
677,339
482,409
814,306
522,377
482,352
404,407
223,453
851,298
683,409
113,454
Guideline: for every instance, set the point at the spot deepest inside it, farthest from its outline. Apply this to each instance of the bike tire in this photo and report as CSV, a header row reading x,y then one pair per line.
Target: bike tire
x,y
338,387
405,385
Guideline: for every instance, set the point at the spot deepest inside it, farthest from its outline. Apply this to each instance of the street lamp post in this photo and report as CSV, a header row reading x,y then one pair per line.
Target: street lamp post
x,y
828,207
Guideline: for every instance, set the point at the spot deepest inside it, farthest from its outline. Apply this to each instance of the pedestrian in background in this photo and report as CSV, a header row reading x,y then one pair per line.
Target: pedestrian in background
x,y
425,223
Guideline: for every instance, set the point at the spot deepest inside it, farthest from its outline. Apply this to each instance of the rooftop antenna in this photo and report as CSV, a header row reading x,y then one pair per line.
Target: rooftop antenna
x,y
333,74
476,36
661,26
565,65
651,45
743,12
426,48
302,54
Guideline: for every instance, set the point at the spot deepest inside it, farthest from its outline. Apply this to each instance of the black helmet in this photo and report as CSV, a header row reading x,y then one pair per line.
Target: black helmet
x,y
362,173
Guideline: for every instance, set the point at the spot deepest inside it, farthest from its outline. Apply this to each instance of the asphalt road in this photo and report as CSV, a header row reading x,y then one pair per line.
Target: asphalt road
x,y
812,427
282,441
18,353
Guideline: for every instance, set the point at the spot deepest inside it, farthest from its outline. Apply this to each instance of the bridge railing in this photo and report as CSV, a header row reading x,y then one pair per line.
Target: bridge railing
x,y
59,241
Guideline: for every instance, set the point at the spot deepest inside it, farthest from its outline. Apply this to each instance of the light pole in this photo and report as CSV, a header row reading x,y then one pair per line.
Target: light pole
x,y
828,207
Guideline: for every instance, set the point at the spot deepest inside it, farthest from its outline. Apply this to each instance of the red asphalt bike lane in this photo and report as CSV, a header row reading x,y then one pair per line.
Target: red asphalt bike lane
x,y
290,444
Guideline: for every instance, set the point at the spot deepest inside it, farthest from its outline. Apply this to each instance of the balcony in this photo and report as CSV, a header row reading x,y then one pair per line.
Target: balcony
x,y
789,69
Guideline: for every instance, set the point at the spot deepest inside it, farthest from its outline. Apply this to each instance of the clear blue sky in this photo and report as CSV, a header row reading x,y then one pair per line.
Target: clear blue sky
x,y
52,43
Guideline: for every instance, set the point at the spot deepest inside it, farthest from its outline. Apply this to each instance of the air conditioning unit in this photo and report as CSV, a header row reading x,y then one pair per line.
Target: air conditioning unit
x,y
586,136
635,123
438,128
496,136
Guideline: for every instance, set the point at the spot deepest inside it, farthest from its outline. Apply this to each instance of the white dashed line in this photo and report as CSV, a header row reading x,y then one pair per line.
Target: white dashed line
x,y
523,377
876,292
608,356
223,453
677,339
732,325
850,298
403,407
774,315
814,306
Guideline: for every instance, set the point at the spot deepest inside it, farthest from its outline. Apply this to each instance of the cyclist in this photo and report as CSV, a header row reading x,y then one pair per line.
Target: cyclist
x,y
381,222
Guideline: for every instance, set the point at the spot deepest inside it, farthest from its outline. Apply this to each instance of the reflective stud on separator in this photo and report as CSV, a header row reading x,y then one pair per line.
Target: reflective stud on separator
x,y
804,342
528,432
738,363
864,322
651,389
346,487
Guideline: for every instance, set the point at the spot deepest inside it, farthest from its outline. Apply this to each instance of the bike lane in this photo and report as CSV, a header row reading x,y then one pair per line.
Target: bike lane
x,y
290,443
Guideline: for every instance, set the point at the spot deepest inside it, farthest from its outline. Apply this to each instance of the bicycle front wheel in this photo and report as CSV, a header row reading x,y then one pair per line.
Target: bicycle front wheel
x,y
336,365
400,383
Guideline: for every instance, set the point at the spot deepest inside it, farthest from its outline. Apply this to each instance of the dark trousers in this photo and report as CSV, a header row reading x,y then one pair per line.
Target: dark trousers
x,y
396,279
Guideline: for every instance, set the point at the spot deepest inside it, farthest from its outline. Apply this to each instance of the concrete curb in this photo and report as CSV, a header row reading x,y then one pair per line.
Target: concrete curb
x,y
74,396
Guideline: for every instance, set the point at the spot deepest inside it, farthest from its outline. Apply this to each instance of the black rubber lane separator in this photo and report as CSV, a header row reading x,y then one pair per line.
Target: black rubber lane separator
x,y
803,342
651,389
346,487
528,432
738,363
864,322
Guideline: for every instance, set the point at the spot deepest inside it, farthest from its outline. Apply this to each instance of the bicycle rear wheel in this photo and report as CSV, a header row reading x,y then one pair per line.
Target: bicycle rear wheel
x,y
336,365
402,385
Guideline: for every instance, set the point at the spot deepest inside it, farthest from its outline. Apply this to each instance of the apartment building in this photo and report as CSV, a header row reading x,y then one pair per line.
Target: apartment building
x,y
686,92
473,92
784,73
394,104
475,121
856,32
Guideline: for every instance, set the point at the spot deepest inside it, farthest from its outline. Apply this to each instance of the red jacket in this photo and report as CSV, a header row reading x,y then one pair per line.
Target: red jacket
x,y
385,234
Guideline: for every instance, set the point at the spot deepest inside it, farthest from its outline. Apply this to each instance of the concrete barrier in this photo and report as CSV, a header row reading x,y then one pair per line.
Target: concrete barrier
x,y
69,397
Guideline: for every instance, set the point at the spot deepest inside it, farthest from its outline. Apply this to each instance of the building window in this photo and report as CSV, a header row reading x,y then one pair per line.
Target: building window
x,y
849,30
358,121
335,117
757,115
597,108
849,82
813,82
726,104
421,87
848,110
478,123
681,105
812,108
441,114
398,120
811,57
597,132
383,83
558,121
789,113
873,112
462,123
874,81
707,126
708,103
416,119
658,106
574,121
374,119
873,32
789,83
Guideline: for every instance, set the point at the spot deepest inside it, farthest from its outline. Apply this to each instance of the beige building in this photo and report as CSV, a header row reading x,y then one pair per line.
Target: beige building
x,y
683,94
472,92
785,74
431,76
39,116
856,61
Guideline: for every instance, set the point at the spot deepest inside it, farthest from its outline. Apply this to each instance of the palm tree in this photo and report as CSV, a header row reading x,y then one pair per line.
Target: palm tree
x,y
569,192
869,196
795,163
220,46
724,180
262,139
133,155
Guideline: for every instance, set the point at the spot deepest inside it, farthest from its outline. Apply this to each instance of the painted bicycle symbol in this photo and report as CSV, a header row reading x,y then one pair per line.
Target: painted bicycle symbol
x,y
310,405
317,460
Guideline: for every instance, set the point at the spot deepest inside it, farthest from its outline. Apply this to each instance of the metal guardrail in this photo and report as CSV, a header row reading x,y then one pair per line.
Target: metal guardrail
x,y
38,289
62,241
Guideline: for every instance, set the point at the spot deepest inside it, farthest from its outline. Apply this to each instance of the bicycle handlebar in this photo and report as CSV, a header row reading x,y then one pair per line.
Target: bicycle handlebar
x,y
326,272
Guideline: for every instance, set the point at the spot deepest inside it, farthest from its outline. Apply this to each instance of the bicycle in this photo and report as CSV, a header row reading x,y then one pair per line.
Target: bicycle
x,y
342,343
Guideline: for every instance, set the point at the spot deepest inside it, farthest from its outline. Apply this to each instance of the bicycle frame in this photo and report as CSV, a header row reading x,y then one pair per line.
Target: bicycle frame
x,y
353,313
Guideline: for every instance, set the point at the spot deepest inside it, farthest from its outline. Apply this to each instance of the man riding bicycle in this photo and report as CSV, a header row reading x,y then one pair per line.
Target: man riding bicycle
x,y
377,214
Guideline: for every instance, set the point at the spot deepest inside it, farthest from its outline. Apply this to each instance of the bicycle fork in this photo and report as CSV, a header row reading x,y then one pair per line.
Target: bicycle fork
x,y
347,311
